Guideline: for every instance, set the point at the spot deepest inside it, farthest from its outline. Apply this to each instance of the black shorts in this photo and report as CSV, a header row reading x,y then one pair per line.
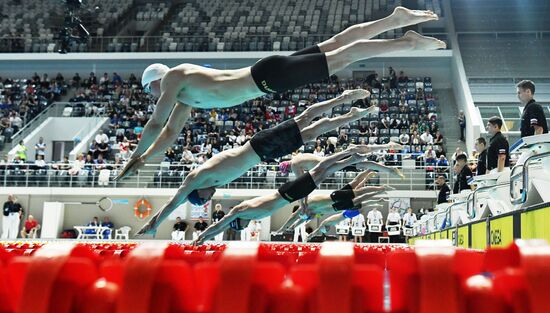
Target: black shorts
x,y
277,141
278,73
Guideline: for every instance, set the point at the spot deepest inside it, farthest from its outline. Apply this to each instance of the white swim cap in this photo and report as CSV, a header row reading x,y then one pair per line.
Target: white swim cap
x,y
153,72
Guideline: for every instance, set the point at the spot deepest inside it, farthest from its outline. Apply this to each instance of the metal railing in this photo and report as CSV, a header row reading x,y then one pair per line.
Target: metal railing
x,y
473,196
262,176
524,174
203,43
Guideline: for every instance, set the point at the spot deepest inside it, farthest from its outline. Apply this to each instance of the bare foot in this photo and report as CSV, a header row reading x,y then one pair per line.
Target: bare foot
x,y
355,94
420,42
395,146
405,17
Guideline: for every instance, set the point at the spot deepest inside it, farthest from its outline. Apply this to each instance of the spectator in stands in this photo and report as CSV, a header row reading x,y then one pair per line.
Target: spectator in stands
x,y
442,164
393,78
178,232
16,122
89,163
498,155
94,223
458,152
21,151
102,149
107,223
104,80
63,165
76,81
438,139
480,145
444,190
415,138
430,156
92,79
427,138
404,138
319,151
12,211
170,155
533,120
101,137
40,148
100,163
30,228
78,165
39,162
463,174
461,124
117,80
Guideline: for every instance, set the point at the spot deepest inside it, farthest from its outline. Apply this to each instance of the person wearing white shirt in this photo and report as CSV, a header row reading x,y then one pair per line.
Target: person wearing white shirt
x,y
358,221
409,219
344,224
374,217
427,138
404,139
393,219
319,151
101,137
40,148
300,230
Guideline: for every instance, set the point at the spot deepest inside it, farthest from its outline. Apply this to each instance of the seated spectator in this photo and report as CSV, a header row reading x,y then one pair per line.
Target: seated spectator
x,y
78,165
102,149
94,223
179,229
107,223
319,151
458,152
442,164
62,165
101,137
169,155
30,228
404,139
427,138
100,163
39,162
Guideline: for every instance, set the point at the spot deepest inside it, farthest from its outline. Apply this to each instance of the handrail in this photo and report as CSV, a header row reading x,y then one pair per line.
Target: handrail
x,y
525,176
474,193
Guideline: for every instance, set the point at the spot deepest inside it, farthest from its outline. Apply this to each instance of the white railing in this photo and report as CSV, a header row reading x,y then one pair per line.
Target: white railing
x,y
262,176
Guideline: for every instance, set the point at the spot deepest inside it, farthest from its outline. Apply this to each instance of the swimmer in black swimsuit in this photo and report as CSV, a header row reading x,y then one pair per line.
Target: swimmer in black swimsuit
x,y
260,207
199,185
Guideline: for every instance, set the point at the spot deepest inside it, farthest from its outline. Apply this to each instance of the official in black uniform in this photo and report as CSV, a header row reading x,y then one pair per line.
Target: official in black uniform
x,y
533,121
481,148
444,190
463,174
498,155
217,215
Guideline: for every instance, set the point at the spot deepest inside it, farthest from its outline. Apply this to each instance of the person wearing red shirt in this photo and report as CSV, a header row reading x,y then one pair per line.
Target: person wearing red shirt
x,y
31,228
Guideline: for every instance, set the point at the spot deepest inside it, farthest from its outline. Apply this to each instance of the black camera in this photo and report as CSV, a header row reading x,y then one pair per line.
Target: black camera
x,y
72,31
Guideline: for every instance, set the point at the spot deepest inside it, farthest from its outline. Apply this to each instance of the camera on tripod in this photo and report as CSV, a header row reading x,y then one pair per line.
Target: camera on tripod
x,y
72,31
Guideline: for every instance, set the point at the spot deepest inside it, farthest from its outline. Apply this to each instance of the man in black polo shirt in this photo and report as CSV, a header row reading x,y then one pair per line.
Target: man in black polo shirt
x,y
533,121
497,153
481,148
444,190
180,227
463,173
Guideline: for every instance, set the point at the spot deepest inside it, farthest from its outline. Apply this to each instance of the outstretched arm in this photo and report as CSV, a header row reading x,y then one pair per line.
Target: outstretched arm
x,y
191,182
329,221
169,134
295,216
370,165
170,86
372,148
217,228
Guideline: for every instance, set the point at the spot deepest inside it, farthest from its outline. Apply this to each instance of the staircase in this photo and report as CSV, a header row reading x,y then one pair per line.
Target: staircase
x,y
448,121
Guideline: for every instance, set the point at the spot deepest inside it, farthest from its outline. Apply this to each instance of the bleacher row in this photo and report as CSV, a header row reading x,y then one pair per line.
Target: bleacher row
x,y
291,278
33,26
194,25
